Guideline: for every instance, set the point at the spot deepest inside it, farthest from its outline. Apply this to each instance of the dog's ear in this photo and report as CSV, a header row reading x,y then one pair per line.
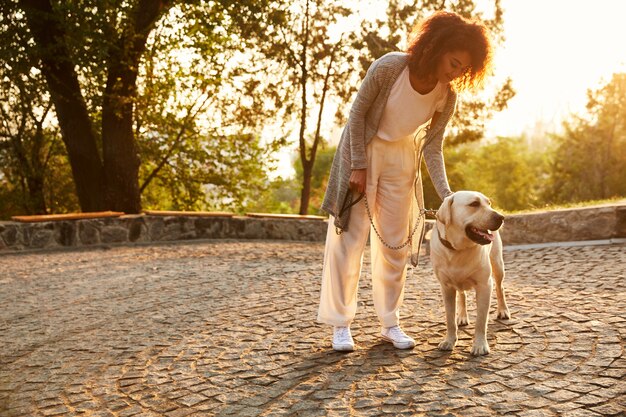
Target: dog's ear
x,y
444,214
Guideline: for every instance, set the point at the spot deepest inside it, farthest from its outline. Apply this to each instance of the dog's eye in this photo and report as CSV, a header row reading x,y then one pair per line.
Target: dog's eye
x,y
475,204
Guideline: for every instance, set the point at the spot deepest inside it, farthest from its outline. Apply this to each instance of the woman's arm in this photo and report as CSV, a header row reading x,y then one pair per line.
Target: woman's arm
x,y
433,155
434,119
365,97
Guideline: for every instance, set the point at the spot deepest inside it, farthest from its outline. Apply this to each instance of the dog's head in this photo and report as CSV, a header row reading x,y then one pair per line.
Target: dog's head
x,y
469,213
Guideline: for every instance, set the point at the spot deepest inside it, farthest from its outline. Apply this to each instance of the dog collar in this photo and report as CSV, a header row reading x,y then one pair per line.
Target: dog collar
x,y
444,242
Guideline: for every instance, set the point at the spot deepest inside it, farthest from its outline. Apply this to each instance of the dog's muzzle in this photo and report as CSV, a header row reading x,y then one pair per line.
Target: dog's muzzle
x,y
485,236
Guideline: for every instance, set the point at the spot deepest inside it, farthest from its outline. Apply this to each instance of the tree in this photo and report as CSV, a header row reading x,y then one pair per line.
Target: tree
x,y
197,117
508,171
90,54
589,156
31,153
26,145
319,175
314,69
110,182
282,195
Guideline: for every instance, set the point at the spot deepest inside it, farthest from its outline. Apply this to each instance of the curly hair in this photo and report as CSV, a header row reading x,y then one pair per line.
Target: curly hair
x,y
447,32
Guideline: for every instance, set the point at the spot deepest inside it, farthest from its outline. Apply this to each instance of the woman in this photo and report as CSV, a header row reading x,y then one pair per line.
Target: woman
x,y
377,156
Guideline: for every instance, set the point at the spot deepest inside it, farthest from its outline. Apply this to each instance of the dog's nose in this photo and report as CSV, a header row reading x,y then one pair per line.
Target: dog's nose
x,y
497,219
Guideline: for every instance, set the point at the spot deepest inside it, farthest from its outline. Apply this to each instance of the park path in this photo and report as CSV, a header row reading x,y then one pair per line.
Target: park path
x,y
228,328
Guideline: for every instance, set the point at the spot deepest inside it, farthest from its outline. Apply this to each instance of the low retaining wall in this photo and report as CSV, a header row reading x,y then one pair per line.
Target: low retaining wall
x,y
568,225
593,223
146,228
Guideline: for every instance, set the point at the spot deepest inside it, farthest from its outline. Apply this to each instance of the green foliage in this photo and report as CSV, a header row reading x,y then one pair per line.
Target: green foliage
x,y
589,158
311,67
283,195
219,173
280,196
33,167
584,163
575,204
508,171
196,116
214,75
17,196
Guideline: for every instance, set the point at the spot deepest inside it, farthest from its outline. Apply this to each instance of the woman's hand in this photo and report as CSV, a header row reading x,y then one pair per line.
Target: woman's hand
x,y
358,180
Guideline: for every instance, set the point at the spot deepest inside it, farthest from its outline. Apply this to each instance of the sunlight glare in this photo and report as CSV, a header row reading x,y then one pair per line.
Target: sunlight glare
x,y
554,52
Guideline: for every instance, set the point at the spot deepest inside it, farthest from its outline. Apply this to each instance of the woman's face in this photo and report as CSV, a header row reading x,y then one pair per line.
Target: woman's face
x,y
452,65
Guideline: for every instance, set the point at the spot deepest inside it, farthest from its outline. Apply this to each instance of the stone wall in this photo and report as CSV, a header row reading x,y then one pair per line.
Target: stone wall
x,y
593,223
568,225
147,228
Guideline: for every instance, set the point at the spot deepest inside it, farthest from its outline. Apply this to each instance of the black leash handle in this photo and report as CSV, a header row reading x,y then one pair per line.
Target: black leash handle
x,y
346,206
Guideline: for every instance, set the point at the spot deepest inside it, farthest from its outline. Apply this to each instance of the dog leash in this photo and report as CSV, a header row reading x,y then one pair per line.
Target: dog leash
x,y
347,205
423,211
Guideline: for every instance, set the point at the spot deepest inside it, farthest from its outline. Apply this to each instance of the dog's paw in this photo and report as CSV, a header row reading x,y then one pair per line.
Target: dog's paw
x,y
504,314
480,348
447,344
462,321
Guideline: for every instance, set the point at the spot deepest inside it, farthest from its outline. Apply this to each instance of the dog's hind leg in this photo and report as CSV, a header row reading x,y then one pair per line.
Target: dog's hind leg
x,y
497,267
461,308
449,300
483,299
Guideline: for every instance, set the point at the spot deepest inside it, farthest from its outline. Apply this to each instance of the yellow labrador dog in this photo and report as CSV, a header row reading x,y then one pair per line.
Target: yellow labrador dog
x,y
466,251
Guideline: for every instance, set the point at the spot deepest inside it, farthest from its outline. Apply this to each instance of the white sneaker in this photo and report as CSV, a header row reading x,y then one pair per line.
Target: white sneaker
x,y
396,336
342,339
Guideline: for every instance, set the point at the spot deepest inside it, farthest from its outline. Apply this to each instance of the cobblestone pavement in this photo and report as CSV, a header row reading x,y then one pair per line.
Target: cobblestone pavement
x,y
228,328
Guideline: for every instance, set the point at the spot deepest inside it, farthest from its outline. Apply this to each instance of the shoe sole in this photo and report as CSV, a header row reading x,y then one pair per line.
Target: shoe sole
x,y
398,345
343,348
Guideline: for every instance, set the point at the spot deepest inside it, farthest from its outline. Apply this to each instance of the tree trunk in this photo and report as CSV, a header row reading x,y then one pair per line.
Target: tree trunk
x,y
307,171
31,173
306,185
307,164
121,157
38,169
69,103
36,200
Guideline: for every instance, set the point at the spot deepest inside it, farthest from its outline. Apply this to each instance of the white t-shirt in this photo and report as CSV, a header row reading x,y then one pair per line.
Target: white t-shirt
x,y
407,110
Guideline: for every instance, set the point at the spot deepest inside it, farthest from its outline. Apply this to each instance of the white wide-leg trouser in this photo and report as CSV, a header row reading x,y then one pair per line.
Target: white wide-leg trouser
x,y
390,175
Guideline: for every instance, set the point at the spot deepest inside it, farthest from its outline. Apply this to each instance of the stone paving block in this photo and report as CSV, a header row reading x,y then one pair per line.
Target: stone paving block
x,y
537,413
228,328
54,411
581,413
610,410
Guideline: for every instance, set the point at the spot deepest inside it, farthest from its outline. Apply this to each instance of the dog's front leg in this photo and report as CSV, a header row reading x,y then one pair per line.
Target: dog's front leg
x,y
483,299
461,307
449,302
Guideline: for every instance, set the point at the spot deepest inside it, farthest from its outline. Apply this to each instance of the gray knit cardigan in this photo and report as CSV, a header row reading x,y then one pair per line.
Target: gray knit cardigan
x,y
365,116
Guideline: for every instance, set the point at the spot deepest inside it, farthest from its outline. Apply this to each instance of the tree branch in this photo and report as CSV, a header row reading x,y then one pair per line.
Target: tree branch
x,y
316,138
188,117
303,82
